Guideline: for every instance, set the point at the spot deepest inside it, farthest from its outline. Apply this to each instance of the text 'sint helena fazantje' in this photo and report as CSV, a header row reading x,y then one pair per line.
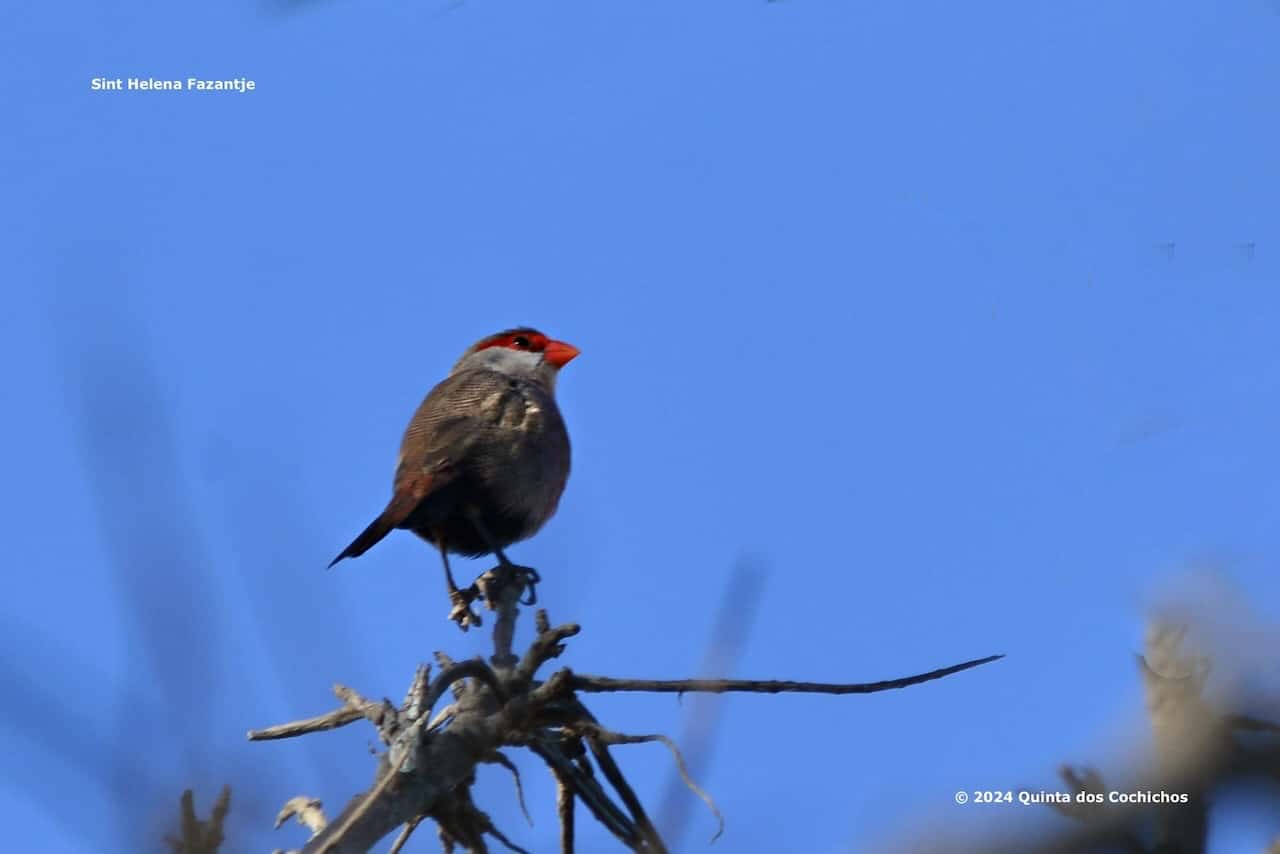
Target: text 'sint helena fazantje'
x,y
156,84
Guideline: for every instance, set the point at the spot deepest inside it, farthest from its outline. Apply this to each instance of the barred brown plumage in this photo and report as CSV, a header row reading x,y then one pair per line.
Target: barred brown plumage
x,y
485,458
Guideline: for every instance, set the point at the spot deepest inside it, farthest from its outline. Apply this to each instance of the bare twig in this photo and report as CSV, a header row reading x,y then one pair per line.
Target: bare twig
x,y
546,646
588,790
648,833
511,846
329,720
598,684
307,811
354,708
608,737
409,828
497,757
564,808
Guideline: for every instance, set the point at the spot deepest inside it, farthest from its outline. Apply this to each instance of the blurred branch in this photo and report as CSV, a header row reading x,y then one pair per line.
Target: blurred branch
x,y
1186,731
125,420
201,837
1166,808
735,616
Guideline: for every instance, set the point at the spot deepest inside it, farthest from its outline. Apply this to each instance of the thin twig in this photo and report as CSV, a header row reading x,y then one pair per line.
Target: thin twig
x,y
612,773
354,708
497,757
564,808
307,811
409,828
605,736
497,834
598,684
588,789
329,720
546,646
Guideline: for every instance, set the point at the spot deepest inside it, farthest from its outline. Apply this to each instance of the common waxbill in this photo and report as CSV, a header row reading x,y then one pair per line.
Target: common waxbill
x,y
485,458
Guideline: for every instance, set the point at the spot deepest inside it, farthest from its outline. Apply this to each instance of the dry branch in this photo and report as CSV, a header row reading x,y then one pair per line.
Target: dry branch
x,y
601,684
429,766
308,812
564,809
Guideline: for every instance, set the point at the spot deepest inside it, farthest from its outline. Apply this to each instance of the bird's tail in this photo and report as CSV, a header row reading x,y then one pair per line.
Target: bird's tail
x,y
401,505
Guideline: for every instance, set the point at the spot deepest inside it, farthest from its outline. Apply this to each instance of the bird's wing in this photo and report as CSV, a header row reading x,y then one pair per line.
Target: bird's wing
x,y
458,413
454,416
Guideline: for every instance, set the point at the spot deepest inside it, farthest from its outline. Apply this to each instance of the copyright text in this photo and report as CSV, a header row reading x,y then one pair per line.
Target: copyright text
x,y
1028,797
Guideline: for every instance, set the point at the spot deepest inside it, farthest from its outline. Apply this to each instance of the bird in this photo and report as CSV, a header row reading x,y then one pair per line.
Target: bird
x,y
485,458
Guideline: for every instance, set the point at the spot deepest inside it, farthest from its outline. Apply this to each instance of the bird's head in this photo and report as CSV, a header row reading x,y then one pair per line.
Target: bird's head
x,y
522,352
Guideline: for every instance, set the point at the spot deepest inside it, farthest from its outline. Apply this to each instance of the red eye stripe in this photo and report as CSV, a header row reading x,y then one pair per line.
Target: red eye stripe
x,y
531,341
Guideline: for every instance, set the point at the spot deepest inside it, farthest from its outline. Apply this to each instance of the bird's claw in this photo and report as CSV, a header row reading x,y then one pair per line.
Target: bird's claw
x,y
528,578
492,583
461,612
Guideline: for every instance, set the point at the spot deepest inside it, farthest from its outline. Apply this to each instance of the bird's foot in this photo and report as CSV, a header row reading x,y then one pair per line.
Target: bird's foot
x,y
504,575
527,578
461,613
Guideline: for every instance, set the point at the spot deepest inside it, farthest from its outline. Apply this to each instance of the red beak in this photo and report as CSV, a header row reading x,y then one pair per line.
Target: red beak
x,y
559,353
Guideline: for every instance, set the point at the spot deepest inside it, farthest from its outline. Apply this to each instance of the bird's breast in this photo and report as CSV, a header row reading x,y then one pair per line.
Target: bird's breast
x,y
515,408
526,462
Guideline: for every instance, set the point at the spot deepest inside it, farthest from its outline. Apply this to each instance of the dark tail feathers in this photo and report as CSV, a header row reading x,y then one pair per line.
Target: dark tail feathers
x,y
368,538
402,504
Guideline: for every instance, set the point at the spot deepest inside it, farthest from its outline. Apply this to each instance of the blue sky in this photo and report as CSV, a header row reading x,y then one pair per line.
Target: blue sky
x,y
959,320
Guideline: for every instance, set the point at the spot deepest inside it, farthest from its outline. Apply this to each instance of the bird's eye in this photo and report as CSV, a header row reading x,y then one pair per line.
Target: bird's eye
x,y
522,342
